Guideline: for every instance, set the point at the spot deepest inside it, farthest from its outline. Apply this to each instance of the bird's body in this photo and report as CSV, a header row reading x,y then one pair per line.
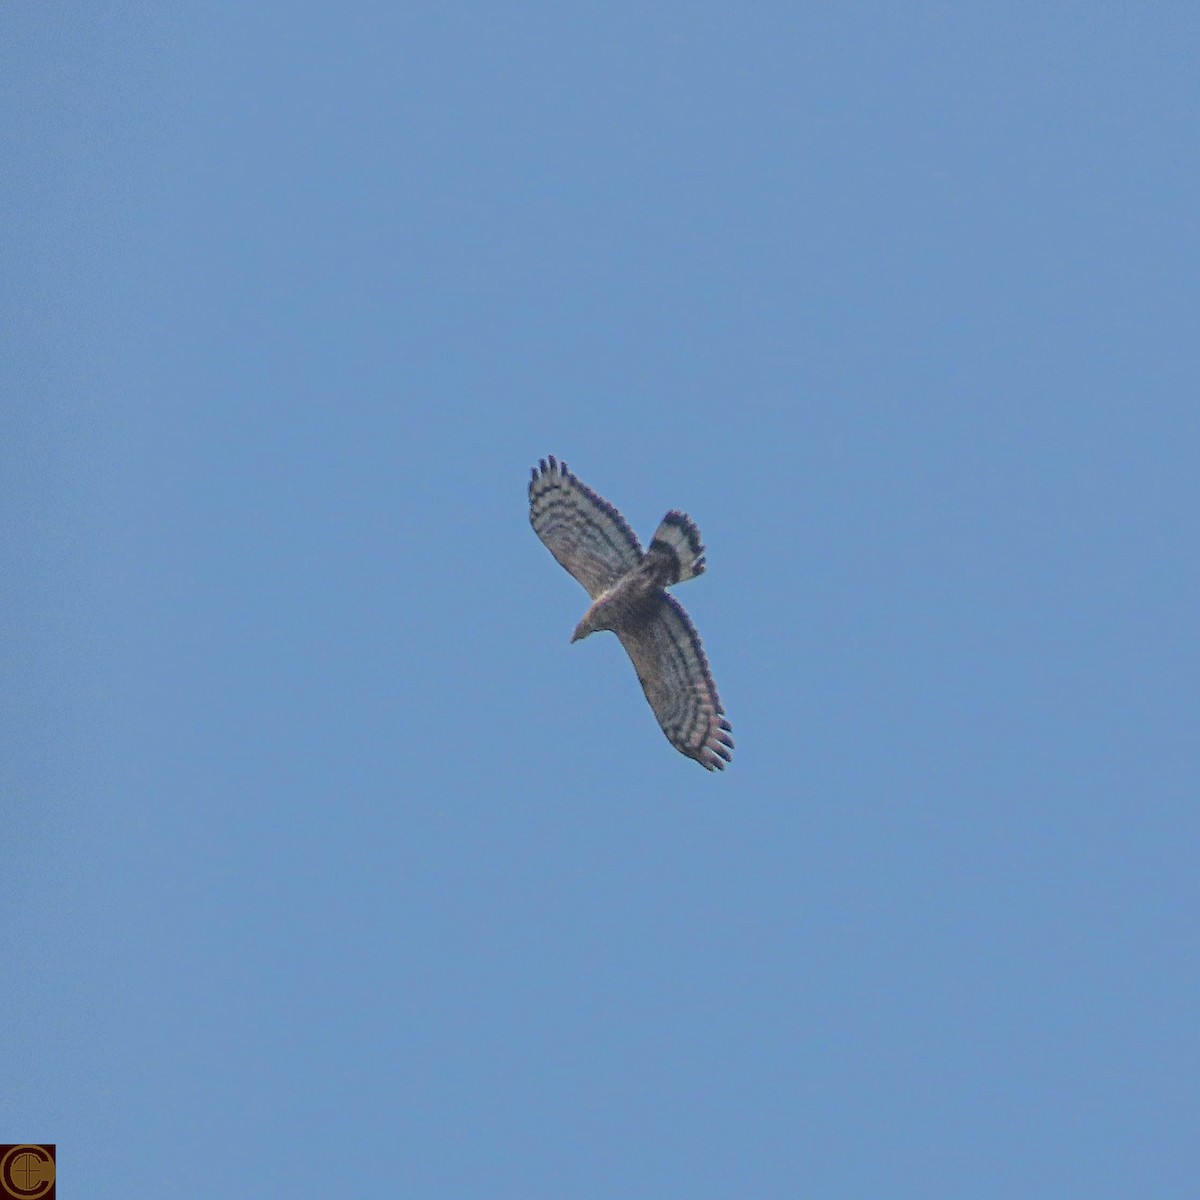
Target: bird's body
x,y
591,539
630,602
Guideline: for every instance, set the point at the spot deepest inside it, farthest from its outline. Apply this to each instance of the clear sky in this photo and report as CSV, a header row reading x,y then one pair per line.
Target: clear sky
x,y
330,867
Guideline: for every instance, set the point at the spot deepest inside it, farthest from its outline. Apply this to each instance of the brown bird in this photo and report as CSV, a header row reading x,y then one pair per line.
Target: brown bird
x,y
591,539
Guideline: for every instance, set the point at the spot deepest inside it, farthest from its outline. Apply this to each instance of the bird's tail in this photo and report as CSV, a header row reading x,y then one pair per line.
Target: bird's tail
x,y
676,552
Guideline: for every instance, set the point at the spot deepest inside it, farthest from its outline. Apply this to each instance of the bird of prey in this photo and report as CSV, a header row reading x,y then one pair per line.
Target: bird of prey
x,y
591,539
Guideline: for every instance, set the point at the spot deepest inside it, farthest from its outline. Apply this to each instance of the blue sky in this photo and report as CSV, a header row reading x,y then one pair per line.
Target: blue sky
x,y
329,861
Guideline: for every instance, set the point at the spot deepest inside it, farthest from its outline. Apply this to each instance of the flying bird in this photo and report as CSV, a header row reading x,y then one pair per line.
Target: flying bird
x,y
591,539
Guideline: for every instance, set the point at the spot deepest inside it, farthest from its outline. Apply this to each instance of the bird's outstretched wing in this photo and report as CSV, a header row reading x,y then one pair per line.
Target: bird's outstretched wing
x,y
583,531
670,663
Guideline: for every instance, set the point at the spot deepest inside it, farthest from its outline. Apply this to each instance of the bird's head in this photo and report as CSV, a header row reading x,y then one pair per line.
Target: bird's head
x,y
591,622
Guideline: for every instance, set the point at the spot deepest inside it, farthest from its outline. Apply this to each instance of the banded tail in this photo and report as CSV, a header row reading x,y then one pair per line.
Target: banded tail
x,y
676,551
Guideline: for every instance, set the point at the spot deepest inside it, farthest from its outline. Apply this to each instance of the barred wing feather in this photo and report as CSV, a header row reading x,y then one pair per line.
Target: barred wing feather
x,y
673,671
587,535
